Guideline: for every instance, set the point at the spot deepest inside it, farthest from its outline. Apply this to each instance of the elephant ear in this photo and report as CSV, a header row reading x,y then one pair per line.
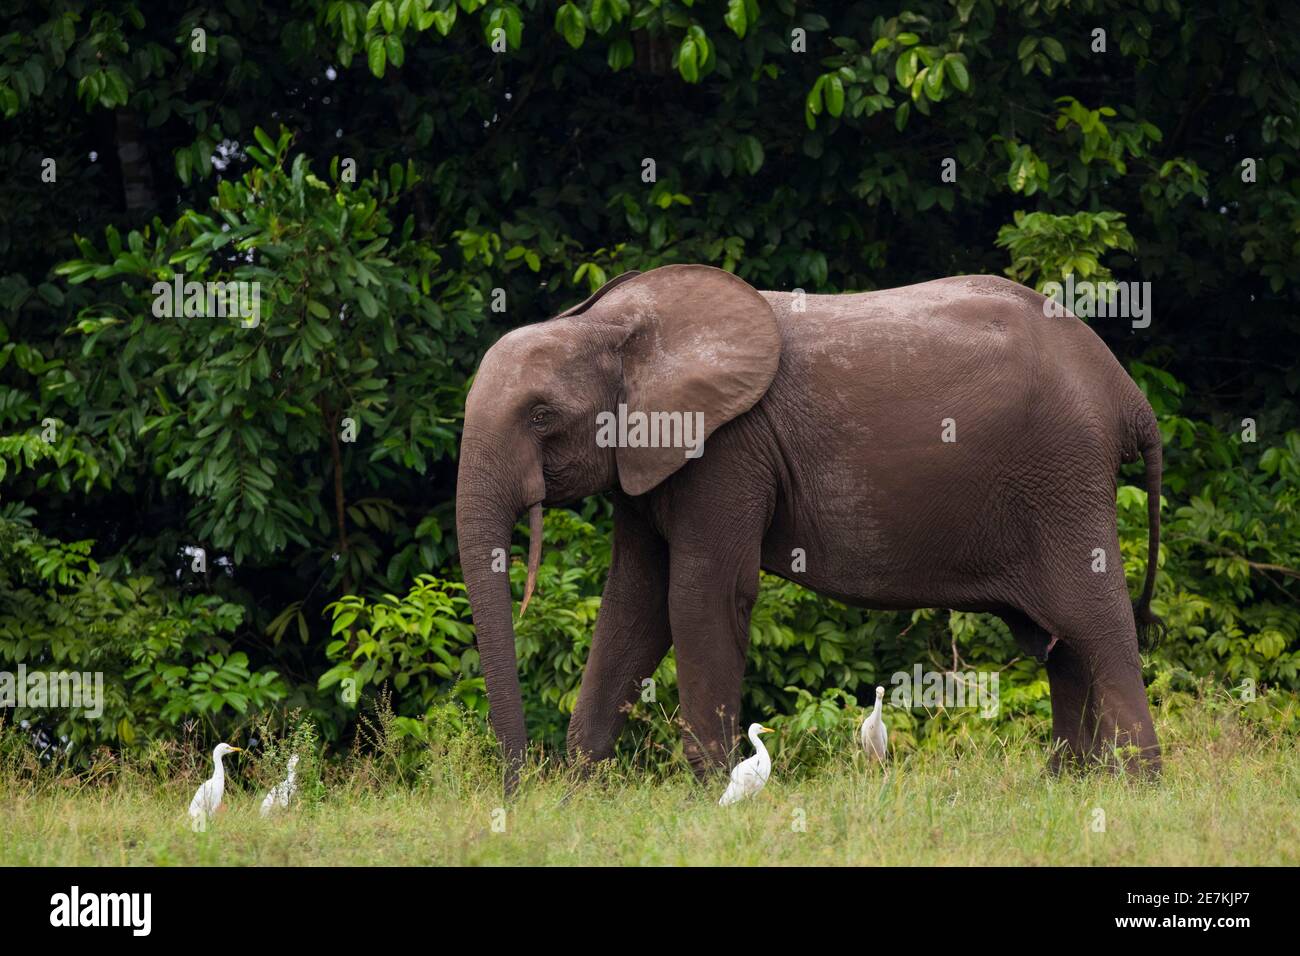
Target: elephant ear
x,y
698,340
599,294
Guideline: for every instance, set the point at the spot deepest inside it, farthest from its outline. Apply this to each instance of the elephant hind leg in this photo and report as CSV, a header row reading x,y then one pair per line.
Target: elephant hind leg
x,y
1031,638
1099,702
1124,725
1073,723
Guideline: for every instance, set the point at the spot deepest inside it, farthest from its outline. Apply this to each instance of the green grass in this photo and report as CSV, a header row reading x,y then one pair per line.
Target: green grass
x,y
1228,795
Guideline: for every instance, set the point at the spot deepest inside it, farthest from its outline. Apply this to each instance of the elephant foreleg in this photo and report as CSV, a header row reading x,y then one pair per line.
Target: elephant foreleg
x,y
712,594
632,636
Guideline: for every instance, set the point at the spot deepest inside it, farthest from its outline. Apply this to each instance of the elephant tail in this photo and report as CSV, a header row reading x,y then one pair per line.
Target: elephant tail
x,y
1150,629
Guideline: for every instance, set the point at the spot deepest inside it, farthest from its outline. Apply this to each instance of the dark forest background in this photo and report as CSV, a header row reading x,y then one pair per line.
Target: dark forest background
x,y
230,520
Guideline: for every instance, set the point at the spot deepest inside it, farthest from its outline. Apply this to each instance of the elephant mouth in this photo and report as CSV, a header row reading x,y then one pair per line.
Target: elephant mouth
x,y
573,501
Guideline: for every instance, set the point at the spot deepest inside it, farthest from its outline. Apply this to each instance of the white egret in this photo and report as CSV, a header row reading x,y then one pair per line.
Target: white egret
x,y
875,741
207,799
749,776
282,792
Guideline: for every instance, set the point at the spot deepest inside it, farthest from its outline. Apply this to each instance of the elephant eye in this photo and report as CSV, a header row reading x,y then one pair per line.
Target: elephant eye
x,y
540,417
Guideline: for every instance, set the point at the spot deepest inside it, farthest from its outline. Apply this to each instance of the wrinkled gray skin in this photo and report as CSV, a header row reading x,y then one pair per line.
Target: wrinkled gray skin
x,y
825,434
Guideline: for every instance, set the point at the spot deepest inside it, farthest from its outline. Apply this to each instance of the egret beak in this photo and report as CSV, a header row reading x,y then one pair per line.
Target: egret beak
x,y
766,730
238,750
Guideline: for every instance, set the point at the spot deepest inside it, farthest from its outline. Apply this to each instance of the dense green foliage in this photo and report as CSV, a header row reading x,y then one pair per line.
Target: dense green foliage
x,y
226,516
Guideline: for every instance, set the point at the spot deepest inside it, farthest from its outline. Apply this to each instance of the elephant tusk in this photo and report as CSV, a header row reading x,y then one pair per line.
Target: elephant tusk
x,y
534,553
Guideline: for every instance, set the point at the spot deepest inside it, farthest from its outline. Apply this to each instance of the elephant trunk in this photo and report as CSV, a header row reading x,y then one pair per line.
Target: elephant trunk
x,y
486,511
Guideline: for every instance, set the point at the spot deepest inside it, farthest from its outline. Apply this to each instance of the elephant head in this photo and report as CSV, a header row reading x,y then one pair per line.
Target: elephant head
x,y
682,338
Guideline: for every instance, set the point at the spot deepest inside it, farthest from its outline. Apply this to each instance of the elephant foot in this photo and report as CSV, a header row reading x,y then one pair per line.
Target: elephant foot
x,y
706,758
1143,763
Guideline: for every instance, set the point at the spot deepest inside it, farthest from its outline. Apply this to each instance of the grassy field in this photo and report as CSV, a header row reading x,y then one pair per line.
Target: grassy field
x,y
1229,795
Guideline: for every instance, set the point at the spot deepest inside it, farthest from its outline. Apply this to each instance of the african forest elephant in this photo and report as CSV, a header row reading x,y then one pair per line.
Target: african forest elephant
x,y
940,445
